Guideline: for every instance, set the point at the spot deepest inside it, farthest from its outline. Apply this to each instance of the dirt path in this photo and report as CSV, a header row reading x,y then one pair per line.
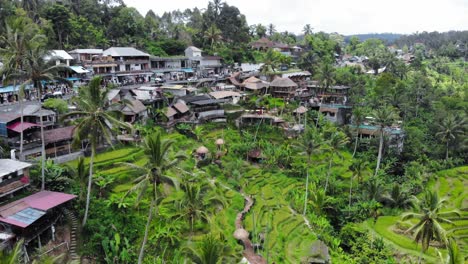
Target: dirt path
x,y
242,234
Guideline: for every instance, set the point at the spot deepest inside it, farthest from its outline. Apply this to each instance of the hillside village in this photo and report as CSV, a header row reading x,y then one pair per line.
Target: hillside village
x,y
256,145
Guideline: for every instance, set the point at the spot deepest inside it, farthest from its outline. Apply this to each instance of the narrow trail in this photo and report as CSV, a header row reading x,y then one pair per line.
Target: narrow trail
x,y
242,234
74,227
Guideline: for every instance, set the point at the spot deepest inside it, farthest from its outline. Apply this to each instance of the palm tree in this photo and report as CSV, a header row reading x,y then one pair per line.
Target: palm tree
x,y
212,35
358,118
384,117
398,197
454,254
160,161
449,129
336,143
270,62
22,35
320,201
326,75
428,211
211,249
196,200
311,142
359,170
271,29
96,123
78,173
307,30
36,71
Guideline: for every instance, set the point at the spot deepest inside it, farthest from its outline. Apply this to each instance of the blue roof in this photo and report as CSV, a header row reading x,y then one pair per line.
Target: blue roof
x,y
27,216
73,79
187,70
11,88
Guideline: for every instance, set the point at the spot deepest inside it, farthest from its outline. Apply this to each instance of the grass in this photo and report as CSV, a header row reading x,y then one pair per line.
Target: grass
x,y
450,184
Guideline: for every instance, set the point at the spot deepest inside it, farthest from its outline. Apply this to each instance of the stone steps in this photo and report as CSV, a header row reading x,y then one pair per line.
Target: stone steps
x,y
73,235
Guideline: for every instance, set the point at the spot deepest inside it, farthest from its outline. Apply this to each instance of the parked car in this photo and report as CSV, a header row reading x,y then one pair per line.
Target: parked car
x,y
48,96
159,80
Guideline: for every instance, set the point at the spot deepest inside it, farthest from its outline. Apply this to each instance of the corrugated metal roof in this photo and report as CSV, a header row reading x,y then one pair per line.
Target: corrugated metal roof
x,y
8,166
124,52
61,54
27,210
87,51
181,107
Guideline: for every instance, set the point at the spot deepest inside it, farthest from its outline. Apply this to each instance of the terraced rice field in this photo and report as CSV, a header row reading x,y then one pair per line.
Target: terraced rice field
x,y
288,239
452,184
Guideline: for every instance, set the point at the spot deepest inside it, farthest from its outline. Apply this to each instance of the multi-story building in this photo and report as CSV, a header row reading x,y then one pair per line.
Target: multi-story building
x,y
131,65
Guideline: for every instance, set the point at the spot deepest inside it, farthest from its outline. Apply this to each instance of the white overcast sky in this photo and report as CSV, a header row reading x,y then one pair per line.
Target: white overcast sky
x,y
342,16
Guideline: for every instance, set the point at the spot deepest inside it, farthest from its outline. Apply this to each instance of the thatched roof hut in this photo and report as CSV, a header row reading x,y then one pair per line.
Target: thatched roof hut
x,y
301,110
202,150
241,234
283,82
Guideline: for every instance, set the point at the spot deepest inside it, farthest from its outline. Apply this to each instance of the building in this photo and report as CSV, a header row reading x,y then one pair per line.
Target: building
x,y
335,113
193,52
133,66
60,57
32,219
82,56
283,88
264,44
172,68
14,176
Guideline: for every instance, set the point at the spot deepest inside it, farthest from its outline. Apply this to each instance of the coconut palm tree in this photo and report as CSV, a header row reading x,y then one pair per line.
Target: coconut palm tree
x,y
307,30
326,75
398,197
270,61
320,200
78,174
454,254
212,249
196,200
271,29
96,122
212,35
36,71
153,174
310,144
358,118
359,170
449,129
429,211
384,117
22,35
335,144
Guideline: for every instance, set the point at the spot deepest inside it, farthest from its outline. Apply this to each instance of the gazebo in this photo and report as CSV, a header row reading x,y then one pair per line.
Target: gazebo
x,y
255,84
283,88
202,152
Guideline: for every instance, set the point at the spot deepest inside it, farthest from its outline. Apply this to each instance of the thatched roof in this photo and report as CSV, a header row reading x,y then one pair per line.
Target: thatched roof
x,y
283,82
256,86
301,110
241,234
251,79
202,150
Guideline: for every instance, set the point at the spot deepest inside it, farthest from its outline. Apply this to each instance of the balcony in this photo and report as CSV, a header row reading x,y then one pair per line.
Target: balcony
x,y
13,185
142,61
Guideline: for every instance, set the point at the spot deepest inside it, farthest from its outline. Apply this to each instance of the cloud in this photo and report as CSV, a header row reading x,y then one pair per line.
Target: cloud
x,y
342,16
